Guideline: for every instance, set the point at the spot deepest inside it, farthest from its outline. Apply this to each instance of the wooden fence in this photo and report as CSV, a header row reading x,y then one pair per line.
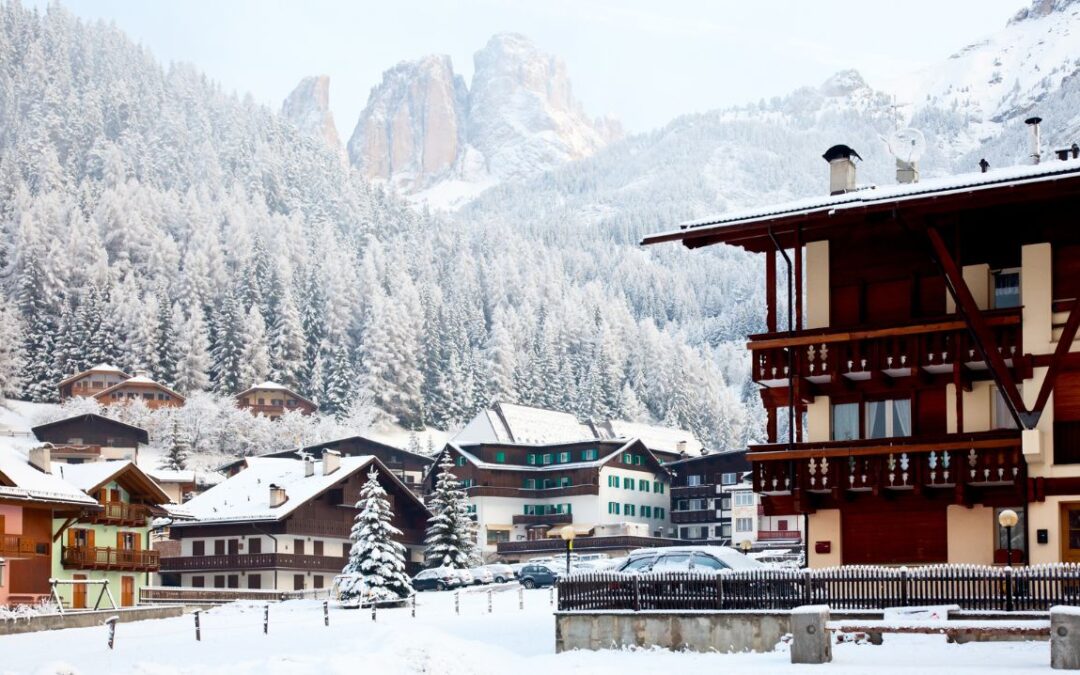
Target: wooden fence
x,y
971,587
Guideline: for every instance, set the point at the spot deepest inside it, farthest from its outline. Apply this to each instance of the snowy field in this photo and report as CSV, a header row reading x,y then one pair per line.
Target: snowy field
x,y
438,642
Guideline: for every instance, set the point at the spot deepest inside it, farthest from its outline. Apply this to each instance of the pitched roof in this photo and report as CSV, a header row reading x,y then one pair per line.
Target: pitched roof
x,y
99,368
664,439
274,386
246,495
90,476
144,437
618,446
21,480
750,219
139,379
514,423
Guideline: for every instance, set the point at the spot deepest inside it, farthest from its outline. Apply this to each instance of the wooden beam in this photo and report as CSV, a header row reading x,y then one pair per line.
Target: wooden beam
x,y
770,291
797,254
67,523
1068,334
980,332
910,448
941,326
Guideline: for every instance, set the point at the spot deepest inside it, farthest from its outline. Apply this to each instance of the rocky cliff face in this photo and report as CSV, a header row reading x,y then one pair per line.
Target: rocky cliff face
x,y
308,107
432,137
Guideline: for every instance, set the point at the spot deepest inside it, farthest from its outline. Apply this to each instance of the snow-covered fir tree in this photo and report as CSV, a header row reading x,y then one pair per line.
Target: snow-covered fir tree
x,y
376,563
178,450
450,540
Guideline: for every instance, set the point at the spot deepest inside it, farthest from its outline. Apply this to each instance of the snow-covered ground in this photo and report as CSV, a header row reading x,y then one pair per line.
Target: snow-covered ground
x,y
438,642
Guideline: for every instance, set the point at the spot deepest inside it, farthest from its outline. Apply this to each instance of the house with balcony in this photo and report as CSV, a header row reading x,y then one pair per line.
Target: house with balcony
x,y
273,400
140,388
112,542
926,374
614,493
91,438
283,524
91,382
31,501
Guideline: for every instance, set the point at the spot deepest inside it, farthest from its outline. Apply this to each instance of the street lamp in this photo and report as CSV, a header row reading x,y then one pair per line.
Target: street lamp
x,y
745,545
1008,519
567,533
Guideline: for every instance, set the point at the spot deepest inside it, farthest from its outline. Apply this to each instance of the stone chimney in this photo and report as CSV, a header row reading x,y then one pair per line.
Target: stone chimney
x,y
841,161
309,466
331,461
41,458
1036,138
277,496
907,172
680,447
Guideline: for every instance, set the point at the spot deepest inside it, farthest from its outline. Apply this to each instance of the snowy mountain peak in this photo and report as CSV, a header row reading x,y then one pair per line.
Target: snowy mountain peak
x,y
308,107
432,137
843,83
1041,8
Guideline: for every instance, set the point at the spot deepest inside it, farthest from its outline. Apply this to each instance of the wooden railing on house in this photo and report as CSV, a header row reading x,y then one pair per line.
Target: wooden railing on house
x,y
584,544
543,519
253,561
779,535
104,558
316,527
16,544
120,513
971,587
530,493
691,491
694,516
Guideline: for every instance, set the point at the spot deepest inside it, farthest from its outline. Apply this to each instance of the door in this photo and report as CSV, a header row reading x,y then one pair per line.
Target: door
x,y
892,533
254,545
234,547
1070,532
298,582
127,591
78,592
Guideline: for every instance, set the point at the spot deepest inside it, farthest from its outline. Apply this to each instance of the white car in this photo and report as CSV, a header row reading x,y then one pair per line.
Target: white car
x,y
688,559
481,575
465,576
501,573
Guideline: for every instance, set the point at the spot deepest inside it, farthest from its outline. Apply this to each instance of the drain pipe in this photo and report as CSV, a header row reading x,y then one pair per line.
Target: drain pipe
x,y
261,531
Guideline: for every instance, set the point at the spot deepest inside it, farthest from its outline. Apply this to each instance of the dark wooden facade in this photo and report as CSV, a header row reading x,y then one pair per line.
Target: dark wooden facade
x,y
91,430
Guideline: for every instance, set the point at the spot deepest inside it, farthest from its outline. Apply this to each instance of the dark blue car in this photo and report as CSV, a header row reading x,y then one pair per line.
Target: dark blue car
x,y
537,576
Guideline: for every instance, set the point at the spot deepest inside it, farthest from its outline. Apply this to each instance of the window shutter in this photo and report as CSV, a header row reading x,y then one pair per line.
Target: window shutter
x,y
90,539
138,541
71,538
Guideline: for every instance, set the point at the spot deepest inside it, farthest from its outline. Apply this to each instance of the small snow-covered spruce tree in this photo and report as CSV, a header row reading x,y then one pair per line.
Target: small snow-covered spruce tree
x,y
451,533
176,457
375,557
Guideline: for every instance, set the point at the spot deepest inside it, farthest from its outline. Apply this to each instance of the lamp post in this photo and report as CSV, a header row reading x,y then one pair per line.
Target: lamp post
x,y
745,545
1008,520
567,533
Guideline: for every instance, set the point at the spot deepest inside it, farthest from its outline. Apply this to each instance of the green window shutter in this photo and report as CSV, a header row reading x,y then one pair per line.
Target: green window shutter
x,y
500,457
637,460
530,458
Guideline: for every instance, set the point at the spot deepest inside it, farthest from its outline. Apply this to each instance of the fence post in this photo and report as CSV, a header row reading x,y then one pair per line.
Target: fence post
x,y
637,593
489,601
414,605
111,623
551,594
521,597
903,587
808,591
373,605
1008,589
266,619
457,602
326,613
198,629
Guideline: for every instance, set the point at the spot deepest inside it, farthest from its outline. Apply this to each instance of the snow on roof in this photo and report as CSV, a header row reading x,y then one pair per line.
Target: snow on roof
x,y
32,484
99,368
246,496
90,475
994,178
274,386
592,464
171,476
665,439
138,379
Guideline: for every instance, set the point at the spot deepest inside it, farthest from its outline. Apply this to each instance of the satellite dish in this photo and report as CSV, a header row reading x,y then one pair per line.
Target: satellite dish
x,y
906,145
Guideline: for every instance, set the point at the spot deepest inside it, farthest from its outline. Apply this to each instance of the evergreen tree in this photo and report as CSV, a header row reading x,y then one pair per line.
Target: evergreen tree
x,y
178,450
340,380
376,563
287,344
193,368
451,533
166,347
228,348
255,355
11,356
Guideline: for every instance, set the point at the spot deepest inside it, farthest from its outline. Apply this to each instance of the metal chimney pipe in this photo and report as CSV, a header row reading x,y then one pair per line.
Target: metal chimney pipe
x,y
1036,140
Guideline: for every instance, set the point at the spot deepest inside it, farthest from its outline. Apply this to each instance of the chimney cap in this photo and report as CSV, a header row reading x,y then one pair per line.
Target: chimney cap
x,y
840,152
1033,120
984,165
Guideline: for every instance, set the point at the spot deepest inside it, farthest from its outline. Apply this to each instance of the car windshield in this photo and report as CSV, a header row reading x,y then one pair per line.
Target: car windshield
x,y
702,562
639,565
672,561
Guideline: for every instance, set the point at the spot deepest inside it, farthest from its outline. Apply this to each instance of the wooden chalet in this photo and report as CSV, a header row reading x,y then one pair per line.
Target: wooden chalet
x,y
930,348
91,382
90,438
614,493
141,388
31,501
283,524
273,400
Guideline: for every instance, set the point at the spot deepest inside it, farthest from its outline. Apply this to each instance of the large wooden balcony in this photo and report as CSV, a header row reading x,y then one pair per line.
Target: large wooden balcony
x,y
827,358
12,545
962,463
253,561
695,516
544,519
101,558
120,513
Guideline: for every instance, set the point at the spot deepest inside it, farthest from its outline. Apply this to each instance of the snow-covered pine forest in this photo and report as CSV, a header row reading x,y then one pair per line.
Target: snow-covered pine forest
x,y
151,220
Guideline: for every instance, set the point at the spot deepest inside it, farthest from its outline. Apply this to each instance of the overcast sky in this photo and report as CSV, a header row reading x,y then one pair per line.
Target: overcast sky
x,y
644,62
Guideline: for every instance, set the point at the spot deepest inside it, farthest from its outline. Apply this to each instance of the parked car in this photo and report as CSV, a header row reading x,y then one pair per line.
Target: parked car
x,y
688,559
537,576
481,575
465,577
501,573
436,579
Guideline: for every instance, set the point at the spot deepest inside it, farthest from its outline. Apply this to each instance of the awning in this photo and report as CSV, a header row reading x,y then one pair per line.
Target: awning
x,y
579,530
499,528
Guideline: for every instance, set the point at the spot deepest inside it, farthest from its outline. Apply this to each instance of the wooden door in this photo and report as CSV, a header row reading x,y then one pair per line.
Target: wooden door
x,y
234,547
127,591
1070,532
881,533
78,592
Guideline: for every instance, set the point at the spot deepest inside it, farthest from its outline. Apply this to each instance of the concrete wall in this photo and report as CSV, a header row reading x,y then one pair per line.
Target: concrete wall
x,y
971,534
704,632
824,525
87,619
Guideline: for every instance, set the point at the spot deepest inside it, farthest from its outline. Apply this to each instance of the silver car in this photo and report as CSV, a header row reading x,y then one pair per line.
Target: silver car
x,y
481,575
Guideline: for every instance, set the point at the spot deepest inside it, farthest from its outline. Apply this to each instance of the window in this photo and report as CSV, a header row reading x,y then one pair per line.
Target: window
x,y
643,485
627,458
695,504
317,548
254,581
198,582
547,458
564,481
254,545
219,581
725,503
744,524
317,581
564,457
887,419
613,508
706,562
495,536
613,481
638,460
744,499
693,480
530,458
298,582
646,511
1001,416
275,401
298,546
471,509
628,509
658,487
198,548
529,483
681,505
1006,288
658,512
219,547
468,482
500,457
460,461
725,531
845,421
233,581
729,478
628,483
589,455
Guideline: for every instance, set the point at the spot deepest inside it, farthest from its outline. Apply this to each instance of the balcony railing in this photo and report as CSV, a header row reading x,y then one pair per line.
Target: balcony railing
x,y
100,558
121,513
543,519
253,561
322,528
584,544
695,516
779,535
691,491
16,544
931,344
530,493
